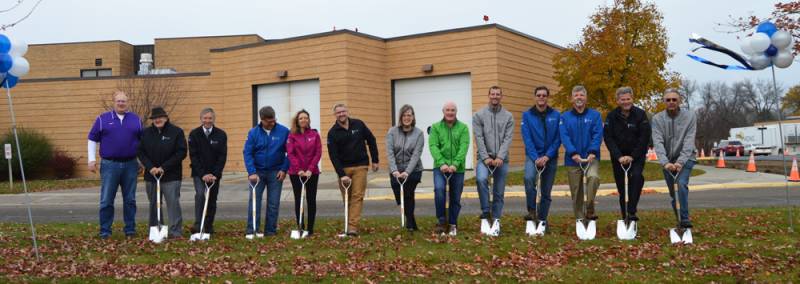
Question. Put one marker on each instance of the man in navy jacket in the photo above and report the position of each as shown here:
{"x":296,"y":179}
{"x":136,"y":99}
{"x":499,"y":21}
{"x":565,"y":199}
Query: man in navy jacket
{"x":266,"y":162}
{"x":582,"y":133}
{"x":542,"y":140}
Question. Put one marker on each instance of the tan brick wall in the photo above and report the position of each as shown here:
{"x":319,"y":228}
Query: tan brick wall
{"x":67,"y":59}
{"x":353,"y":69}
{"x":192,"y":54}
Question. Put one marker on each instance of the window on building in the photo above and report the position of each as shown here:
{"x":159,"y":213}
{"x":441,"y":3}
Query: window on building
{"x":90,"y":73}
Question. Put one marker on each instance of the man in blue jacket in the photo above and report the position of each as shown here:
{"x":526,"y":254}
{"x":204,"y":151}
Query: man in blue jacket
{"x":266,"y":162}
{"x":540,"y":133}
{"x":582,"y":133}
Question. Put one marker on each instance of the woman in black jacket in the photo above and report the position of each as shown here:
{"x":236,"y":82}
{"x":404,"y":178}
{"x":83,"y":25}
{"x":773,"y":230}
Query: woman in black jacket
{"x":161,"y":151}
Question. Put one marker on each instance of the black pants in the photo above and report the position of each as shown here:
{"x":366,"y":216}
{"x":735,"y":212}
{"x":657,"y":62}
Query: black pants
{"x":311,"y":199}
{"x":408,"y":196}
{"x":635,"y":184}
{"x":199,"y":201}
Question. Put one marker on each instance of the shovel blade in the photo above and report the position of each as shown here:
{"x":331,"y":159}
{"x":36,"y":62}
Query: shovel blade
{"x":494,"y":231}
{"x":259,"y":235}
{"x":540,"y":228}
{"x":580,"y":230}
{"x":591,"y":230}
{"x":674,"y":237}
{"x":626,"y":232}
{"x":530,"y":228}
{"x":687,"y":236}
{"x":485,"y":228}
{"x":296,"y":234}
{"x":195,"y":237}
{"x":164,"y":230}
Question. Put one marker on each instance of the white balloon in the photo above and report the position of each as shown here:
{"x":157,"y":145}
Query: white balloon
{"x":759,"y":42}
{"x":18,"y":47}
{"x":783,"y":59}
{"x":759,"y":61}
{"x":745,"y":45}
{"x":19,"y":67}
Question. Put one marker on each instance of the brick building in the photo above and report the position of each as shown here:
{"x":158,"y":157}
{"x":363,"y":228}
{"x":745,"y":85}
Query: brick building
{"x":236,"y":75}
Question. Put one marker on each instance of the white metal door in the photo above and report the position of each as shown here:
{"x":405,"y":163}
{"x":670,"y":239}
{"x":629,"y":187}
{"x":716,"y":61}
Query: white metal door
{"x":427,"y":96}
{"x":289,"y":98}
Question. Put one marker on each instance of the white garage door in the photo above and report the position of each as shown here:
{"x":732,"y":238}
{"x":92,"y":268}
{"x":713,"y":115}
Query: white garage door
{"x":288,"y":98}
{"x":427,"y":95}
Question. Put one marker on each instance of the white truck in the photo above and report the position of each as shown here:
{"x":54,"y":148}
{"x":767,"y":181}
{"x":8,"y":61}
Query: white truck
{"x":768,"y":135}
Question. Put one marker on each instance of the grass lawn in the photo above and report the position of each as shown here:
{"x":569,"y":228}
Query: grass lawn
{"x":731,"y":245}
{"x":651,"y":172}
{"x":47,"y":185}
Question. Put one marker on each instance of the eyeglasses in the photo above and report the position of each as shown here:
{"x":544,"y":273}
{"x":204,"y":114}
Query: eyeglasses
{"x":669,"y":100}
{"x":541,"y":96}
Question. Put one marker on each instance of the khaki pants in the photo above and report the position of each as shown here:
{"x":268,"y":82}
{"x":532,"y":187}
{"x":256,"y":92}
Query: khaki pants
{"x":358,"y":175}
{"x":577,"y":193}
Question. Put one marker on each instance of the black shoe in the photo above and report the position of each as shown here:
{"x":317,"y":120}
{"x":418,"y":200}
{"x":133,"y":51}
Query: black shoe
{"x":352,"y":234}
{"x":105,"y":237}
{"x":269,"y":234}
{"x":485,"y":215}
{"x":686,"y":224}
{"x":633,"y":217}
{"x":130,"y":236}
{"x":440,"y":229}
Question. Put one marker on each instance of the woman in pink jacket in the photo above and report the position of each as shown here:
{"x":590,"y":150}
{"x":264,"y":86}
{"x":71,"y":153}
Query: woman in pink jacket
{"x":304,"y":150}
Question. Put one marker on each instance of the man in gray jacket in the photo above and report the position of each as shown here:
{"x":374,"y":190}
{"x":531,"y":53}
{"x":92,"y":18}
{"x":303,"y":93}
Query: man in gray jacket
{"x":494,"y":127}
{"x":673,"y":139}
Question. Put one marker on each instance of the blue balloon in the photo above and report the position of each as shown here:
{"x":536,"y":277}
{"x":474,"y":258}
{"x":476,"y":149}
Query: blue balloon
{"x":767,"y":28}
{"x":5,"y":62}
{"x":771,"y":51}
{"x":10,"y":81}
{"x":5,"y":44}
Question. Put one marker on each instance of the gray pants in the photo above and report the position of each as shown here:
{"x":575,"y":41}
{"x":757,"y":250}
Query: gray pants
{"x":577,"y":191}
{"x":171,"y":193}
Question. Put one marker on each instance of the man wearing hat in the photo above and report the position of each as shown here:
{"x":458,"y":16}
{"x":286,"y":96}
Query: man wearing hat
{"x":161,"y":151}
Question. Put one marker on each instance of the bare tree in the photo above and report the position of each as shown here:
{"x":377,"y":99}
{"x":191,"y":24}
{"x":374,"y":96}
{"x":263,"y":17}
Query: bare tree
{"x":149,"y":91}
{"x":688,"y":88}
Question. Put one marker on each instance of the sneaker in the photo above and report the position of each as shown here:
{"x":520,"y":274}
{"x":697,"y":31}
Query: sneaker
{"x":352,"y":234}
{"x":633,"y":217}
{"x":453,"y":231}
{"x":686,"y":224}
{"x":105,"y":237}
{"x":485,"y":215}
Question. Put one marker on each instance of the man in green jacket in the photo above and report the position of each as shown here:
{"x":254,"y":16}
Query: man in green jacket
{"x":448,"y":142}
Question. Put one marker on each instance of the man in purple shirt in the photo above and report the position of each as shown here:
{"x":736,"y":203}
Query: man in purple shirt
{"x":118,"y":132}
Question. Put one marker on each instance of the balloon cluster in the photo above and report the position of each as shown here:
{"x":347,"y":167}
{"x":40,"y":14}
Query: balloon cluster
{"x":768,"y":46}
{"x":12,"y":64}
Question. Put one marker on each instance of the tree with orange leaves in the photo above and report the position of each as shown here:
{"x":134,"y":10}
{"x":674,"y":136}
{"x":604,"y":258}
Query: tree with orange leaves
{"x":624,"y":45}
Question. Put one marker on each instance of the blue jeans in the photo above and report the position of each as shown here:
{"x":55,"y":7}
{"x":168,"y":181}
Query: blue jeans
{"x":548,"y":177}
{"x":115,"y":175}
{"x":456,"y":187}
{"x":269,"y":181}
{"x":683,"y":188}
{"x":498,"y":188}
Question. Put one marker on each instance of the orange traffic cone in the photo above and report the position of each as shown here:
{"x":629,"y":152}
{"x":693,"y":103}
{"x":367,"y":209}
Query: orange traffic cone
{"x":721,"y":160}
{"x":794,"y":175}
{"x":651,"y":154}
{"x":751,"y":165}
{"x":702,"y":153}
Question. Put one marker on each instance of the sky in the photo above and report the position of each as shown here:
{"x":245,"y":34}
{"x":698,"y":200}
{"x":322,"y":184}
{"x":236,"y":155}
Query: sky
{"x":560,"y":22}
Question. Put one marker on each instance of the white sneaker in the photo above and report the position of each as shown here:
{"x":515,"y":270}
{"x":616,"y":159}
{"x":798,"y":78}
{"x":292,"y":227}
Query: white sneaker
{"x":453,"y":231}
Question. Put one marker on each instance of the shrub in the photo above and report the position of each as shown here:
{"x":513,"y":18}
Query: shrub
{"x":63,"y":165}
{"x":37,"y":152}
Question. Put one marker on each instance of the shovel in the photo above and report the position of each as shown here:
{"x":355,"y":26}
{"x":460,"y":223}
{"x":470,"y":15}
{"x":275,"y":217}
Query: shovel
{"x":446,"y":195}
{"x":346,"y":207}
{"x":158,"y":232}
{"x":300,"y":233}
{"x":255,"y":233}
{"x":402,"y":202}
{"x":626,"y":229}
{"x":678,"y":234}
{"x":202,"y":236}
{"x":494,"y":229}
{"x":585,"y":230}
{"x":536,"y":227}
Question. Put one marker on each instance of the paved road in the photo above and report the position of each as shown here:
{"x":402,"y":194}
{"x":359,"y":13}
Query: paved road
{"x":230,"y":210}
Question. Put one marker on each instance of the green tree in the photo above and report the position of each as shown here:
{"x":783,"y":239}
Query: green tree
{"x":624,"y":45}
{"x":791,"y":101}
